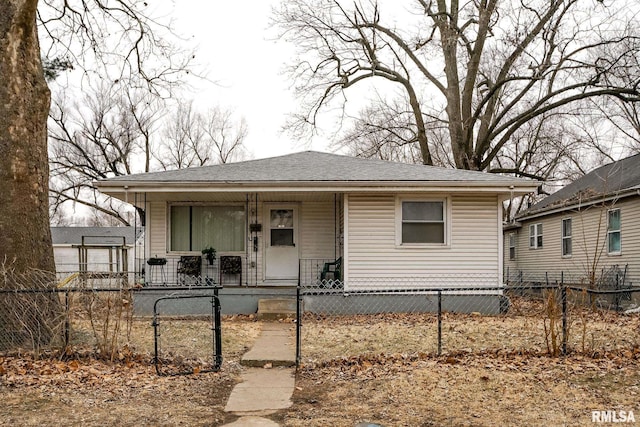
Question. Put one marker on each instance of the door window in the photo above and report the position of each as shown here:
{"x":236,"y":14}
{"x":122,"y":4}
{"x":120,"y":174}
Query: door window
{"x":282,"y":227}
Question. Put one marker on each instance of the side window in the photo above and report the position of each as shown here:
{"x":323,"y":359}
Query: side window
{"x":535,"y":236}
{"x":566,"y":237}
{"x":423,"y":222}
{"x":512,"y":246}
{"x":614,"y":233}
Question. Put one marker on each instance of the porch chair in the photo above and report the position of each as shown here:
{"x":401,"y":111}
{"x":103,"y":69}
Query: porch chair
{"x":189,"y":267}
{"x":230,"y":265}
{"x":331,"y":271}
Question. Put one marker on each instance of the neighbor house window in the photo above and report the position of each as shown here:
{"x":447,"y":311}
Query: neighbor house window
{"x":194,"y":228}
{"x":423,"y":222}
{"x":512,"y":246}
{"x":613,"y":231}
{"x":535,"y":236}
{"x":566,"y":237}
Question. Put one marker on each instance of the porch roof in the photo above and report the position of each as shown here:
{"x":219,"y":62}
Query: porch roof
{"x":311,"y":169}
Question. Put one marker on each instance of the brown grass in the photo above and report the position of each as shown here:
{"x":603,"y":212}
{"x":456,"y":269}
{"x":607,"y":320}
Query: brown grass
{"x":81,"y":390}
{"x":467,"y":391}
{"x":380,"y":368}
{"x":589,"y":332}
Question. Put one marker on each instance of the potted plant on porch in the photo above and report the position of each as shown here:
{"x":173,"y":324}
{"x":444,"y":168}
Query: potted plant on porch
{"x":210,"y":254}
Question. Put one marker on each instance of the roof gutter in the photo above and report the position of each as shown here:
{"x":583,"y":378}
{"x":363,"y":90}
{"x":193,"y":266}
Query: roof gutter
{"x":131,"y":186}
{"x":581,"y":205}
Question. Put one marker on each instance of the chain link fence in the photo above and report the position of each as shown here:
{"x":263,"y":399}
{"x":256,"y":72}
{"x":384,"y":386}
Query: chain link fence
{"x":95,"y":316}
{"x":550,"y":314}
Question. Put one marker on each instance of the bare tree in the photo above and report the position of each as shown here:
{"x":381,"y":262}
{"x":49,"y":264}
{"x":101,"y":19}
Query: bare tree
{"x":74,"y":34}
{"x":226,"y":134}
{"x":194,"y":139}
{"x":107,"y":133}
{"x":115,"y":130}
{"x":483,"y":70}
{"x":120,"y":40}
{"x":25,"y":238}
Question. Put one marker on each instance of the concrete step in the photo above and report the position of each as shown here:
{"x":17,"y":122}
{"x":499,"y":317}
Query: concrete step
{"x":276,"y":308}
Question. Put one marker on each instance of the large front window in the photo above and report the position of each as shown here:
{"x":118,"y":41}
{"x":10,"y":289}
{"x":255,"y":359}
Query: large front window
{"x":423,"y":222}
{"x":194,"y":228}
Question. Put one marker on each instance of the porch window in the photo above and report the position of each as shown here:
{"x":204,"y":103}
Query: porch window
{"x":535,"y":236}
{"x":566,"y":237}
{"x":194,"y":228}
{"x":423,"y":222}
{"x":614,"y":233}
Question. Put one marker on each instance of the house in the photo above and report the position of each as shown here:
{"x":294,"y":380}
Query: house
{"x":95,"y":249}
{"x":589,"y":230}
{"x":293,"y":218}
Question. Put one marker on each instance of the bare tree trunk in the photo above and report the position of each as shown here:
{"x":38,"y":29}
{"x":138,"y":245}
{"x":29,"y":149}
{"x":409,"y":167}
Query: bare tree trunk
{"x":25,"y":237}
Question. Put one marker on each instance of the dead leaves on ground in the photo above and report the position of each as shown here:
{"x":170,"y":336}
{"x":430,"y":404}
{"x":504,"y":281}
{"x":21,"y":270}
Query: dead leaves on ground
{"x":23,"y":371}
{"x":375,"y":366}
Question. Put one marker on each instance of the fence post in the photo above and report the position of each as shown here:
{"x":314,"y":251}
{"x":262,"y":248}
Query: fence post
{"x":563,"y":290}
{"x":617,"y":294}
{"x":217,"y":307}
{"x":298,"y":327}
{"x":520,"y":279}
{"x":439,"y":322}
{"x":67,"y":313}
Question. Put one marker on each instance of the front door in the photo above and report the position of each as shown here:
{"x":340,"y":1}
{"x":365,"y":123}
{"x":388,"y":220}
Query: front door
{"x":281,"y":250}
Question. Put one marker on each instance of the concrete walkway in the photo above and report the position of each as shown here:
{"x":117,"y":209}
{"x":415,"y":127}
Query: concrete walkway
{"x":269,"y":379}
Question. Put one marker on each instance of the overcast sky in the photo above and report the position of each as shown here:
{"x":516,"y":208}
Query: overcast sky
{"x":237,"y":49}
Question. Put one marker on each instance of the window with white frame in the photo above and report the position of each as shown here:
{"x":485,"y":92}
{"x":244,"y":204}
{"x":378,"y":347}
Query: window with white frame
{"x":194,"y":228}
{"x":423,"y":222}
{"x":567,"y":248}
{"x":512,"y":246}
{"x":614,"y":234}
{"x":535,"y":236}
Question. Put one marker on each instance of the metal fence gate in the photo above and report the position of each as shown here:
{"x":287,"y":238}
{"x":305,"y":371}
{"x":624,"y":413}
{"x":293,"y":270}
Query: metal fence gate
{"x":176,"y":338}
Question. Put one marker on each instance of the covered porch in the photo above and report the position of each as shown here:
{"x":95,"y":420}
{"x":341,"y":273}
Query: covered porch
{"x":261,"y":239}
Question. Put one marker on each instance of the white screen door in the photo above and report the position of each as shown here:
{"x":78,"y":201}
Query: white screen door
{"x":281,"y":250}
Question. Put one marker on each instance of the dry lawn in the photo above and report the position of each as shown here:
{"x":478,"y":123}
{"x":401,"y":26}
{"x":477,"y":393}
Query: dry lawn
{"x":493,"y":370}
{"x":380,"y":369}
{"x":79,"y":390}
{"x":466,"y":390}
{"x":528,"y":329}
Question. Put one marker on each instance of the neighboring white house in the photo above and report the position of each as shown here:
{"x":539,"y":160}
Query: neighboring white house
{"x":588,"y":230}
{"x":102,"y":249}
{"x":390,"y":225}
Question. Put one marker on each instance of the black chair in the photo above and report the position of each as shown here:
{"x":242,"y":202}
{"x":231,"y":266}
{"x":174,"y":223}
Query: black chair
{"x":231,"y":265}
{"x":332,"y":271}
{"x":189,"y":268}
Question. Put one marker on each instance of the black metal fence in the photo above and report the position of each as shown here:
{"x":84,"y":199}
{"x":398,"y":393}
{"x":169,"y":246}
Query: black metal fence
{"x":203,"y":341}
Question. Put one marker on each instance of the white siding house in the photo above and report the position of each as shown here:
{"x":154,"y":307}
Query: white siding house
{"x":103,"y":250}
{"x":586,"y":231}
{"x":389,"y":225}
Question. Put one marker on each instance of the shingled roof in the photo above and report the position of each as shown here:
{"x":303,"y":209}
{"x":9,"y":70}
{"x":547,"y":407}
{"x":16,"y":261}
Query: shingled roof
{"x":95,"y":235}
{"x":311,"y":166}
{"x":611,"y":180}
